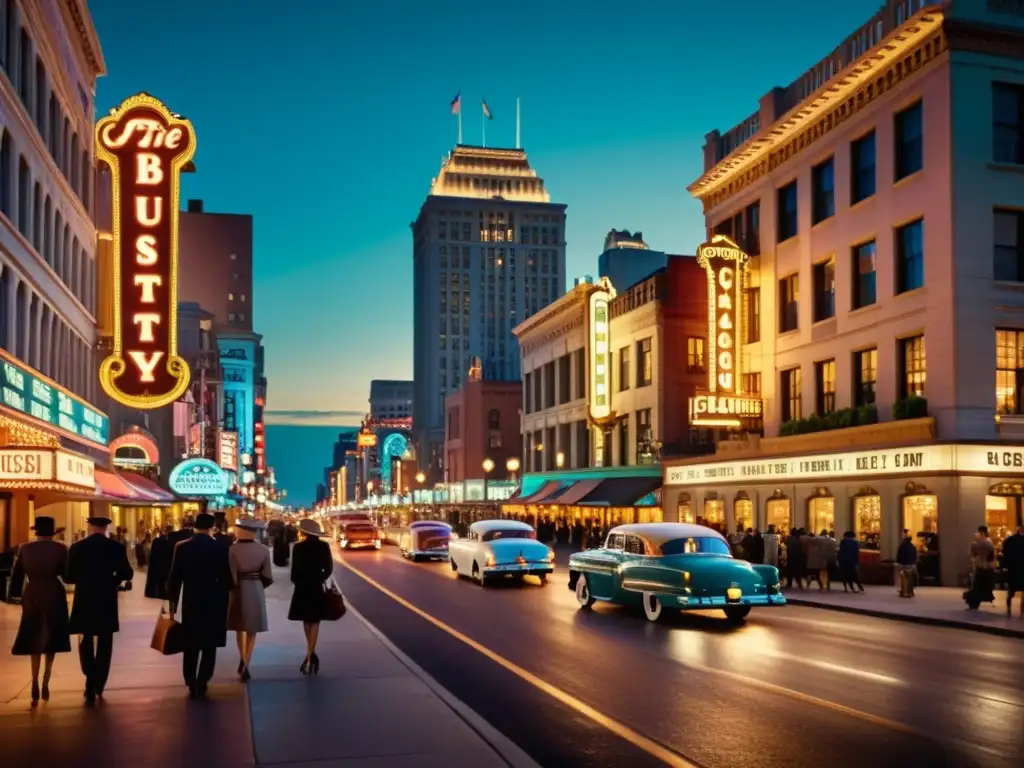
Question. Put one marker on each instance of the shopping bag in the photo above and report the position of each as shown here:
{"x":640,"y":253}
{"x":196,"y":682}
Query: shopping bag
{"x":334,"y":602}
{"x":167,"y":635}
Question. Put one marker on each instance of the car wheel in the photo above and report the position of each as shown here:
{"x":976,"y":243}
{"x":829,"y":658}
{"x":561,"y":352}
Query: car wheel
{"x":543,"y":578}
{"x":414,"y":558}
{"x":652,"y":606}
{"x":583,"y":596}
{"x":477,"y":576}
{"x":737,"y":613}
{"x":453,"y":564}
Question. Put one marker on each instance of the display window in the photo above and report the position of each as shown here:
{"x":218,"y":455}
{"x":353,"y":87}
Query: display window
{"x":714,"y":514}
{"x":1000,"y":517}
{"x":867,"y":521}
{"x":744,"y":510}
{"x":821,"y":515}
{"x":685,"y":509}
{"x":778,"y":512}
{"x":921,"y":519}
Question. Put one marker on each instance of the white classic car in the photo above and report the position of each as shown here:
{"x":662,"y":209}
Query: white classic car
{"x":495,"y":548}
{"x":425,"y":540}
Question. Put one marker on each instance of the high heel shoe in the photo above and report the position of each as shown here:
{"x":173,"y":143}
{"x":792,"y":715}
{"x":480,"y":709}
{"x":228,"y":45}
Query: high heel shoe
{"x":246,"y":677}
{"x":304,"y":669}
{"x":241,"y":667}
{"x":35,"y":691}
{"x":314,"y":664}
{"x":46,"y":690}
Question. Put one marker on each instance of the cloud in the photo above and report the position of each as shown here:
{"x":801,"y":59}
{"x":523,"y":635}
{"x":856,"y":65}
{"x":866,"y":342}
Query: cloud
{"x":314,"y":418}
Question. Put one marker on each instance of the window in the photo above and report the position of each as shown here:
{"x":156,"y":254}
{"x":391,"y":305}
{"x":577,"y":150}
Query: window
{"x":1009,"y":371}
{"x":790,"y":394}
{"x":623,"y":440}
{"x":623,"y":369}
{"x":823,"y":191}
{"x":753,"y":330}
{"x":644,"y":437}
{"x":787,"y":220}
{"x":494,"y":419}
{"x":909,"y":150}
{"x":863,"y":258}
{"x":231,"y":297}
{"x":825,"y":289}
{"x":644,"y":363}
{"x":1008,"y":123}
{"x":563,"y":379}
{"x":862,"y":168}
{"x":241,"y":297}
{"x":528,"y":393}
{"x":752,"y":232}
{"x":912,"y":367}
{"x":788,"y":295}
{"x":825,"y":386}
{"x":1008,"y":238}
{"x":910,"y":256}
{"x":867,"y":520}
{"x":865,"y":374}
{"x":751,"y":383}
{"x":695,"y":355}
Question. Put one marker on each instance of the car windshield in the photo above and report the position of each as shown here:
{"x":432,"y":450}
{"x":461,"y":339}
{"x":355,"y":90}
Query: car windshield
{"x":703,"y":545}
{"x":508,"y":533}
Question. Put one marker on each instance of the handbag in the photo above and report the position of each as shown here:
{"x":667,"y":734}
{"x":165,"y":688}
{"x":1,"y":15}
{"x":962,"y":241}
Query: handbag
{"x":334,"y":602}
{"x":168,"y":638}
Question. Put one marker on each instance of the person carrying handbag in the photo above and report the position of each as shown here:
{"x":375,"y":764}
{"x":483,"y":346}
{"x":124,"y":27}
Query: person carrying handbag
{"x":312,"y":566}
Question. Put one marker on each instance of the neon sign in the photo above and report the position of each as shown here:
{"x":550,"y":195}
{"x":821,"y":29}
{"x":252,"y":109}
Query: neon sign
{"x":724,"y":403}
{"x":145,"y":146}
{"x":600,"y":352}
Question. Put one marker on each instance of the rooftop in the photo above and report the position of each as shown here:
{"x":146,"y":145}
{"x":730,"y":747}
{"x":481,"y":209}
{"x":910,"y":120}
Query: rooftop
{"x":487,"y":173}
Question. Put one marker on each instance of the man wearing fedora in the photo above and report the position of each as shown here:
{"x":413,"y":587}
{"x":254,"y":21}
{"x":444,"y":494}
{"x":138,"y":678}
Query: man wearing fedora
{"x":201,"y":576}
{"x":97,"y":566}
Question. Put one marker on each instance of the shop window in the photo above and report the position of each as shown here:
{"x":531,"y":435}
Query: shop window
{"x":867,"y":520}
{"x":921,"y":517}
{"x":684,"y":509}
{"x":1000,"y":517}
{"x":744,"y":511}
{"x":779,"y":513}
{"x":821,"y":514}
{"x":714,"y":514}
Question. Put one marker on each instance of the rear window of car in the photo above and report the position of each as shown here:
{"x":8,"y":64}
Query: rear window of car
{"x":700,"y":545}
{"x":358,"y":527}
{"x":511,"y":533}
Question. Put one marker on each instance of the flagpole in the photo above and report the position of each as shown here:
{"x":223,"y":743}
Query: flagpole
{"x":483,"y":128}
{"x":517,"y":123}
{"x":460,"y":122}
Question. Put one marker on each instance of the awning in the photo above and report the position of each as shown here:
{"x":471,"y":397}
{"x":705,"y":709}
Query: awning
{"x":111,"y":487}
{"x":147,"y":489}
{"x":621,"y":491}
{"x":543,"y":492}
{"x":573,"y":493}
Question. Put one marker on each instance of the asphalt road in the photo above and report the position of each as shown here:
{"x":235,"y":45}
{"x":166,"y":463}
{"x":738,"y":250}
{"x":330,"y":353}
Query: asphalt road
{"x":798,"y":687}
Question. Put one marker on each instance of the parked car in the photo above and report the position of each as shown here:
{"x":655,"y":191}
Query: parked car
{"x":672,"y":566}
{"x":425,"y":540}
{"x":358,"y":534}
{"x":495,"y":548}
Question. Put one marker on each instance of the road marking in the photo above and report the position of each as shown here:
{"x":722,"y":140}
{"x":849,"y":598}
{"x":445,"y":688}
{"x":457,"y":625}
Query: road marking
{"x":620,"y":729}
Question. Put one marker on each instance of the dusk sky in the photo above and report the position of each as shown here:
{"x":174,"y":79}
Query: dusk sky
{"x":327,"y":120}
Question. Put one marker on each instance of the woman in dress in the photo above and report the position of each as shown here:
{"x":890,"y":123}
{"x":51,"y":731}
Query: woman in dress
{"x":312,"y":565}
{"x":247,"y":604}
{"x":44,"y":603}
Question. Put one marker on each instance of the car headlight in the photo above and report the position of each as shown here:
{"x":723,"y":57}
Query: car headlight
{"x":774,"y":588}
{"x":551,"y":555}
{"x":734,"y":593}
{"x":490,"y":562}
{"x":686,"y":578}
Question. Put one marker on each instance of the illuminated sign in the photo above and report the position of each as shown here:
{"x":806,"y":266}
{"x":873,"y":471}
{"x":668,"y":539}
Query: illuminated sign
{"x":724,"y":404}
{"x":198,"y":477}
{"x":366,"y":440}
{"x":41,"y":465}
{"x":34,"y":395}
{"x":139,"y":441}
{"x":227,"y":450}
{"x":599,"y":323}
{"x":145,"y":147}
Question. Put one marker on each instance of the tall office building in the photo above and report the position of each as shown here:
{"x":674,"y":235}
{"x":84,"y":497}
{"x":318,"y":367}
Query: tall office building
{"x":390,"y":399}
{"x":488,"y":252}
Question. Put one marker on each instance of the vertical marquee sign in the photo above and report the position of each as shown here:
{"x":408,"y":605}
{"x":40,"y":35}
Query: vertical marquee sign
{"x":724,"y":404}
{"x":599,"y":324}
{"x":145,"y":147}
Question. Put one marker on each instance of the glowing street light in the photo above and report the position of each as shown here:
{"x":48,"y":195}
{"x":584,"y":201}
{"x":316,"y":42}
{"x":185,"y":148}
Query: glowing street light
{"x":420,"y":477}
{"x":559,"y":459}
{"x":488,"y":465}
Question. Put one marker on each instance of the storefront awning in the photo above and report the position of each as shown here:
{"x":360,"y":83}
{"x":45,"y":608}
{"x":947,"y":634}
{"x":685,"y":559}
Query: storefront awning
{"x":621,"y":491}
{"x":573,"y":493}
{"x":110,"y":487}
{"x":147,"y":489}
{"x":541,"y":493}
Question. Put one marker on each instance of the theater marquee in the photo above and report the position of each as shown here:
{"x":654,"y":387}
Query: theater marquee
{"x":145,"y":146}
{"x":724,"y":404}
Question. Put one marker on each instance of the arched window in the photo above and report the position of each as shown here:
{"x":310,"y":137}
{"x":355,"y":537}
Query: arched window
{"x":48,"y":231}
{"x":73,"y":163}
{"x":21,"y":322}
{"x":54,"y":331}
{"x":6,"y":178}
{"x":24,"y":197}
{"x":40,"y":112}
{"x":53,"y":135}
{"x":37,"y":218}
{"x":76,"y":269}
{"x":44,"y":340}
{"x":58,"y":244}
{"x":65,"y":148}
{"x":34,"y":309}
{"x":66,"y":275}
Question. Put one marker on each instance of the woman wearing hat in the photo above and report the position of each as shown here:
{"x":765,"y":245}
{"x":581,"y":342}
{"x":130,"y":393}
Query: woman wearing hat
{"x":312,"y":565}
{"x":247,"y":605}
{"x":44,"y":604}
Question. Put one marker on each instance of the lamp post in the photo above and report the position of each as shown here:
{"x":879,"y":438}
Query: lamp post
{"x":512,"y":465}
{"x":420,"y":479}
{"x":488,"y":466}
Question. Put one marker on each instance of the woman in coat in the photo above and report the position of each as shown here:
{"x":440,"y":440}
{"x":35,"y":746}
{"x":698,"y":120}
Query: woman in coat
{"x":247,"y":604}
{"x":44,"y":604}
{"x":312,"y":565}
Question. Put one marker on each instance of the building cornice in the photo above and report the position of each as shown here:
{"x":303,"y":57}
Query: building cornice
{"x":899,"y":57}
{"x":574,"y":299}
{"x":87,"y":36}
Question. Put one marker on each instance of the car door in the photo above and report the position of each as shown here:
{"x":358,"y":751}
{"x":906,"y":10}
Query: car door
{"x":602,"y":576}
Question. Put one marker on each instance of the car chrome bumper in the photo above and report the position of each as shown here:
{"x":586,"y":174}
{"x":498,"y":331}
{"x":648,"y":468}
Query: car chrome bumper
{"x":693,"y":602}
{"x":349,"y":544}
{"x":534,"y":569}
{"x":442,"y":553}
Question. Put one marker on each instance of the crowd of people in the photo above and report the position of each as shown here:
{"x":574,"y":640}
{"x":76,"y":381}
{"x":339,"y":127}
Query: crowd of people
{"x":218,"y":579}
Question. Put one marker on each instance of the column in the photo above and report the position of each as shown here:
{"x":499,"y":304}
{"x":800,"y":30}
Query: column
{"x":35,"y":344}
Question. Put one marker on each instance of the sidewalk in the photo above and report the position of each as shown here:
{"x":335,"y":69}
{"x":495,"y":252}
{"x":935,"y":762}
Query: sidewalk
{"x":939,"y":606}
{"x":370,"y":705}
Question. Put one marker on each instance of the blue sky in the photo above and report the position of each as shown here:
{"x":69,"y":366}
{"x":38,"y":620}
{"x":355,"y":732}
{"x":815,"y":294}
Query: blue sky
{"x":327,"y":119}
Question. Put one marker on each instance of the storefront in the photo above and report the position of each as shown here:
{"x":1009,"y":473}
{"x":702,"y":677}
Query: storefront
{"x":876,"y":493}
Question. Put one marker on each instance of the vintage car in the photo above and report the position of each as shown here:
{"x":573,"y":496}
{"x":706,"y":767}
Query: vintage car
{"x":358,"y":534}
{"x":671,"y":566}
{"x":425,"y":540}
{"x":496,"y":548}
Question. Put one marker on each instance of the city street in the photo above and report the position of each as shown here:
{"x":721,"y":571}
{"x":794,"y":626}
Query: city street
{"x":793,"y":686}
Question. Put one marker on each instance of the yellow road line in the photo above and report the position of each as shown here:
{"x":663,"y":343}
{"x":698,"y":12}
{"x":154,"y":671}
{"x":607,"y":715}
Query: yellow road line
{"x":621,"y":730}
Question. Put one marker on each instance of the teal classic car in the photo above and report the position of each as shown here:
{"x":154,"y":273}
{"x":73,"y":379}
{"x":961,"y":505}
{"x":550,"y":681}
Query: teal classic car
{"x":672,"y":567}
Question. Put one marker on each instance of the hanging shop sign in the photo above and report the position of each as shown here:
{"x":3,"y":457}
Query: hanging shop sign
{"x":32,"y":394}
{"x":724,"y":404}
{"x":25,"y":467}
{"x":366,"y":440}
{"x":145,"y":146}
{"x":599,"y":324}
{"x":227,"y":450}
{"x":198,"y":477}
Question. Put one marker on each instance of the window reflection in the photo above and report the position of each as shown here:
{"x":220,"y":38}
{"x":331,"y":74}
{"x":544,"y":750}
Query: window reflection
{"x":867,"y":521}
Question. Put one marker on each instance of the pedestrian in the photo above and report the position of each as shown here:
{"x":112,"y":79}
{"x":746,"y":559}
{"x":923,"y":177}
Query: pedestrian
{"x":794,"y":559}
{"x":97,"y":566}
{"x":771,"y":546}
{"x":817,"y":559}
{"x":849,"y":562}
{"x":141,"y":547}
{"x":906,"y":562}
{"x":282,"y":548}
{"x":160,"y":554}
{"x":312,"y":565}
{"x":201,"y":576}
{"x":247,"y":604}
{"x":43,"y":631}
{"x":983,"y":563}
{"x":1013,"y":562}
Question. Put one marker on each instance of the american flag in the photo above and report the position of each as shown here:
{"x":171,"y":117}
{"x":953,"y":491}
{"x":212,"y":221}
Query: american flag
{"x":457,"y":103}
{"x":487,"y":110}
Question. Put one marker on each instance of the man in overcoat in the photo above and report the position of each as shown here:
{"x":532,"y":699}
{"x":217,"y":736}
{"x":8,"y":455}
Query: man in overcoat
{"x":97,"y":566}
{"x":201,"y":575}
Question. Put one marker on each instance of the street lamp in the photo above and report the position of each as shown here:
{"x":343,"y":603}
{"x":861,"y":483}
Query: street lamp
{"x":512,"y":465}
{"x":420,"y":477}
{"x":488,"y":465}
{"x":559,"y":459}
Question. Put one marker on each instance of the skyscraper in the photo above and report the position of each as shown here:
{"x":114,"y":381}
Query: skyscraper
{"x":488,"y":252}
